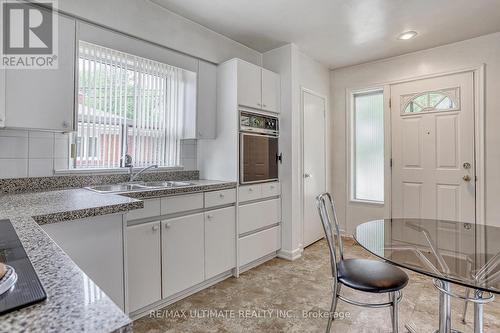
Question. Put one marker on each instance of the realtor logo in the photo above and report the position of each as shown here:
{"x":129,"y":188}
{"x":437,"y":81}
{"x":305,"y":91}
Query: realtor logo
{"x":29,"y":38}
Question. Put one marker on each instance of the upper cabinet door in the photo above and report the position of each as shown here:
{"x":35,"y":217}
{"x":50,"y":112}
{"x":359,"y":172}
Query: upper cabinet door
{"x":249,"y":85}
{"x":44,"y":98}
{"x":271,"y":87}
{"x":207,"y":101}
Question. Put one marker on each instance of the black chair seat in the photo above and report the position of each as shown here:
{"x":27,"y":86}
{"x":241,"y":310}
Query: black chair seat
{"x":371,"y":276}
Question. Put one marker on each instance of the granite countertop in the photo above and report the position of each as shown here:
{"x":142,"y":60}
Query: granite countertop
{"x":69,"y":306}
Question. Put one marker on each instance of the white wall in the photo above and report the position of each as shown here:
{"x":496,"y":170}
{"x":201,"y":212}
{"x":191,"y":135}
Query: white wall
{"x":144,"y":19}
{"x":297,"y":70}
{"x":465,"y":54}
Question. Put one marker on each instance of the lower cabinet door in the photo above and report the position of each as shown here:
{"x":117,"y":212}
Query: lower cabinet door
{"x":144,"y":264}
{"x":95,"y":244}
{"x":183,"y":253}
{"x":220,"y":241}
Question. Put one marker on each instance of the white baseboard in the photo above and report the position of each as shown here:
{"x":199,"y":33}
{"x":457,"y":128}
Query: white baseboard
{"x":290,"y":255}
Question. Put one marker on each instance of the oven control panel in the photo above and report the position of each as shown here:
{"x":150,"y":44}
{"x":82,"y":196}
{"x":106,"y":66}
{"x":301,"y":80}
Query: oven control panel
{"x":259,"y":123}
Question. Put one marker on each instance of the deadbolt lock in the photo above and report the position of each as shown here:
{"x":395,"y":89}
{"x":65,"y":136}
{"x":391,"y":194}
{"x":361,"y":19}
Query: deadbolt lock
{"x":467,"y":165}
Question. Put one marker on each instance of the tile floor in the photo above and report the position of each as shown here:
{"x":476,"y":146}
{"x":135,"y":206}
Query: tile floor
{"x":284,"y":296}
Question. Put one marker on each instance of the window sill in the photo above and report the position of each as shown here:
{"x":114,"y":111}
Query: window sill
{"x":367,"y":202}
{"x":110,"y":171}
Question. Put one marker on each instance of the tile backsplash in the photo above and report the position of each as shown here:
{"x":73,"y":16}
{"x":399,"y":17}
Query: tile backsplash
{"x":38,"y":154}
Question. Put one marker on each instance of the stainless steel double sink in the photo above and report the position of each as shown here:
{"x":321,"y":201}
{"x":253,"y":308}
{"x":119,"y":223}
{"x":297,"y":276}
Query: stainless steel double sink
{"x":137,"y":186}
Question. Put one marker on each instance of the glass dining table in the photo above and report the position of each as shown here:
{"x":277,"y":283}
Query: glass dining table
{"x":449,"y":252}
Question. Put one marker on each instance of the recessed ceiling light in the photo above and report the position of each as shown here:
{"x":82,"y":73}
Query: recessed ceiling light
{"x":407,"y":35}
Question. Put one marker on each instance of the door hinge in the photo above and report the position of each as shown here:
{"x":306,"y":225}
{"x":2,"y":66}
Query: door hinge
{"x":390,"y":163}
{"x":390,"y":103}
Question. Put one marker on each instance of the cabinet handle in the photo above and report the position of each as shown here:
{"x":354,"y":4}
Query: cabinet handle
{"x":250,"y":189}
{"x":210,"y":217}
{"x":221,"y":196}
{"x":167,"y":225}
{"x":65,"y":124}
{"x":259,"y":104}
{"x":264,"y":105}
{"x":272,"y":187}
{"x":155,"y":228}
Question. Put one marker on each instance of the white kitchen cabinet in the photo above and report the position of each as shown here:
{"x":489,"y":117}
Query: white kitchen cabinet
{"x":258,"y":87}
{"x":44,"y":98}
{"x":206,"y":117}
{"x":258,"y":245}
{"x":249,"y":192}
{"x":258,"y":215}
{"x":271,"y":189}
{"x":220,"y":241}
{"x":96,"y":245}
{"x":271,"y":87}
{"x":220,"y":198}
{"x":144,"y":264}
{"x":249,"y":85}
{"x":151,"y":209}
{"x":181,"y":203}
{"x":183,"y":258}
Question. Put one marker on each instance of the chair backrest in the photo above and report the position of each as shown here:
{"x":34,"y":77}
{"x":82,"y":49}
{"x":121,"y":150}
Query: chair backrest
{"x":328,"y":215}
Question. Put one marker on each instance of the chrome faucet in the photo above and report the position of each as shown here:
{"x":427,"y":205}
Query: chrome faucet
{"x":134,"y":176}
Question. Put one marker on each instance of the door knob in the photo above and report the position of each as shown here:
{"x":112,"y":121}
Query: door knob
{"x":466,"y":178}
{"x":307,"y":175}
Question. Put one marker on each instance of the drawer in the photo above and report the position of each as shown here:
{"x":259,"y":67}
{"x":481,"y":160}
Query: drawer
{"x":250,"y":192}
{"x":258,"y":215}
{"x":151,"y":209}
{"x":181,"y":203}
{"x":271,"y":189}
{"x":219,"y":198}
{"x":258,"y":245}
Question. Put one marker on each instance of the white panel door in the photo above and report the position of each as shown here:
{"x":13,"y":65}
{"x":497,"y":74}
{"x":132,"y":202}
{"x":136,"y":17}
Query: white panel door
{"x":220,"y":241}
{"x":183,"y":253}
{"x":433,"y":173}
{"x":270,"y":91}
{"x":249,"y":85}
{"x":43,"y":98}
{"x":314,"y":164}
{"x":144,"y":265}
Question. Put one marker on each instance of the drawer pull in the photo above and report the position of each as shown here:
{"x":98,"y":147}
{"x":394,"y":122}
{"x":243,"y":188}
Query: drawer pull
{"x":210,"y":217}
{"x":250,"y":189}
{"x":155,"y":228}
{"x":272,"y":187}
{"x":221,"y":196}
{"x":167,"y":225}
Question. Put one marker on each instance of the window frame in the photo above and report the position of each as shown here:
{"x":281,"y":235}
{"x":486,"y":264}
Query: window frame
{"x":72,"y":158}
{"x":351,"y":143}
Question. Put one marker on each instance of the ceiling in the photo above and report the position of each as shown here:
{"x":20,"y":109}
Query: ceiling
{"x":340,"y":33}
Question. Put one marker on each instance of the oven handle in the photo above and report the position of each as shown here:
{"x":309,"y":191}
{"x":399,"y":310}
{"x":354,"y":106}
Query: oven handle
{"x":258,"y":134}
{"x":279,"y":158}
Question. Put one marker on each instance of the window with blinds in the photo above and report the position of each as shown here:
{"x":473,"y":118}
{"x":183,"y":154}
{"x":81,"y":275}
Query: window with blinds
{"x":129,"y":105}
{"x":368,"y":147}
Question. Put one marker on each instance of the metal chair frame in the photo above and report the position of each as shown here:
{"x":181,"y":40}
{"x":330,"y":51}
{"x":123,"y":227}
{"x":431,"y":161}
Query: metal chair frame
{"x":333,"y":237}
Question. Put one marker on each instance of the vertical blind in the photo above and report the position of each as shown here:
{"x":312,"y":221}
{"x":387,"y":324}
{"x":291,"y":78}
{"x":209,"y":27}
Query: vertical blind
{"x":368,"y":148}
{"x":128,"y":105}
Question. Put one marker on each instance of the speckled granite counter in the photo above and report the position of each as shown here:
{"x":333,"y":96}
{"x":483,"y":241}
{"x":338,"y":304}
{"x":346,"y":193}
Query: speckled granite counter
{"x":69,"y":306}
{"x":201,"y":185}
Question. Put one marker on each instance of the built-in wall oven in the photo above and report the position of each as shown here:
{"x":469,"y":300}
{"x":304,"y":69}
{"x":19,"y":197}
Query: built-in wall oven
{"x":259,"y":151}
